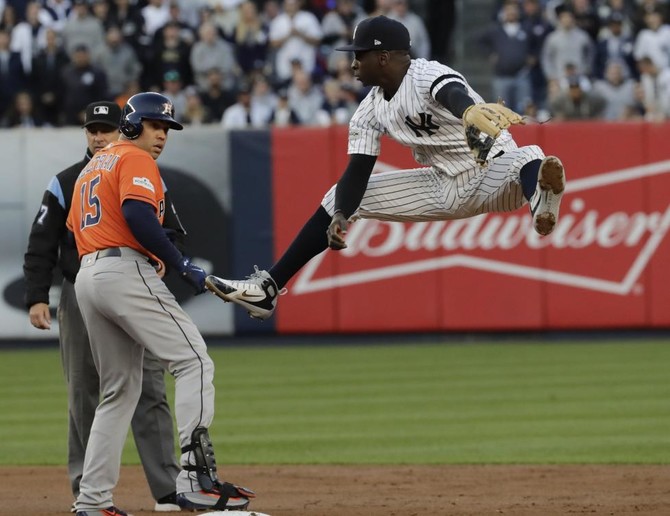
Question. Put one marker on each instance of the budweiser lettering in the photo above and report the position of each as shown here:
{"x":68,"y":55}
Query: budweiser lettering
{"x":577,"y":228}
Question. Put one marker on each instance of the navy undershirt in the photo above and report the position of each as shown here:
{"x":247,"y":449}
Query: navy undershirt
{"x":146,"y":228}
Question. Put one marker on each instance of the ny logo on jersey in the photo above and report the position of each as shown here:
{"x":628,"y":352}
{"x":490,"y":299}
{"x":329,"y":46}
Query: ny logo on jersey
{"x":425,"y":124}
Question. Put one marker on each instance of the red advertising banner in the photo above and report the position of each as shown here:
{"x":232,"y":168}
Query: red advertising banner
{"x":602,"y":267}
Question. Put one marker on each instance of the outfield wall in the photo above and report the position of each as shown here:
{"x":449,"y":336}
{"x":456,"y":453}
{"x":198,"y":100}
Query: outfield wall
{"x":601,"y":268}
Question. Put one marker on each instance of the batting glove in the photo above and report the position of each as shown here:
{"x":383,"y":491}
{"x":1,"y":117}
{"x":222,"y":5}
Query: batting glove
{"x":193,"y":275}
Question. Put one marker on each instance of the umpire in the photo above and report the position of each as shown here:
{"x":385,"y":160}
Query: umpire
{"x":48,"y":247}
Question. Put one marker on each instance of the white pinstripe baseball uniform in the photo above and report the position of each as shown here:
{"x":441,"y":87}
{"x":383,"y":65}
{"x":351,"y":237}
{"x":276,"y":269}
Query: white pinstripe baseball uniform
{"x":403,"y":104}
{"x":451,"y":185}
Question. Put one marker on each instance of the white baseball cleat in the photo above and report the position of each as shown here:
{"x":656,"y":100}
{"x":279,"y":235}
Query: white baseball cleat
{"x":546,"y":200}
{"x":258,"y":293}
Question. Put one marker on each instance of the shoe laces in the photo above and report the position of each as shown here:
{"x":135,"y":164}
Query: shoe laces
{"x":258,"y":276}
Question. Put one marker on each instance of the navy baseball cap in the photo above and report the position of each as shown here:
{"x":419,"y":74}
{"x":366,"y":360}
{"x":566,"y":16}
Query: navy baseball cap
{"x":103,"y":112}
{"x":379,"y":33}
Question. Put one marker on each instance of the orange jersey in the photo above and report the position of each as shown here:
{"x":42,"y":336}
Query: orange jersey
{"x":118,"y":172}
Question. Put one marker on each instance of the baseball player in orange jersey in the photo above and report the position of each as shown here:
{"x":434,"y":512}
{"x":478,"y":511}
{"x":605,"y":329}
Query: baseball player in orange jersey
{"x":470,"y":163}
{"x":48,"y":245}
{"x":117,"y":210}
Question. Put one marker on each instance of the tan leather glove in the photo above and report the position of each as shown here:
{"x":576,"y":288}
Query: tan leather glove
{"x":490,"y":118}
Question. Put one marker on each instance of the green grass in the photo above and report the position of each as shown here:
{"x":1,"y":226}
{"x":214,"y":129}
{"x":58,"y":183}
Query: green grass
{"x":567,"y":402}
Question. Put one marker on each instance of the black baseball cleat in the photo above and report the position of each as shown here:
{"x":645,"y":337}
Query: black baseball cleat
{"x":257,"y":294}
{"x":225,"y":497}
{"x":546,"y":200}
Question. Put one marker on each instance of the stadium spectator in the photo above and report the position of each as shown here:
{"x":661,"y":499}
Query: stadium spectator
{"x":537,"y":27}
{"x":54,"y":13}
{"x":283,"y":115}
{"x":295,"y":35}
{"x":567,"y":44}
{"x":586,"y":17}
{"x":654,"y":40}
{"x":119,"y":62}
{"x":644,"y":7}
{"x":100,"y":10}
{"x":224,"y":14}
{"x":614,"y":45}
{"x":22,"y":112}
{"x":171,"y":53}
{"x":271,"y":9}
{"x":12,"y":76}
{"x":195,"y":113}
{"x":186,"y":30}
{"x":45,"y":78}
{"x":333,"y":110}
{"x":262,"y":93}
{"x":401,"y":12}
{"x":82,"y":28}
{"x":621,"y":9}
{"x":377,"y":7}
{"x":215,"y":97}
{"x":244,"y":114}
{"x":129,"y":19}
{"x":173,"y":88}
{"x":83,"y":83}
{"x":618,"y":90}
{"x":654,"y":91}
{"x":509,"y":49}
{"x":576,"y":103}
{"x":131,"y":88}
{"x":345,"y":76}
{"x":29,"y":36}
{"x":337,"y":27}
{"x":251,"y":40}
{"x":155,"y":15}
{"x":8,"y":19}
{"x":211,"y":51}
{"x":304,"y":97}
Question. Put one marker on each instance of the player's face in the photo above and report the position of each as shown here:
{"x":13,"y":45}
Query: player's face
{"x":366,"y":66}
{"x":98,"y":136}
{"x":153,"y":137}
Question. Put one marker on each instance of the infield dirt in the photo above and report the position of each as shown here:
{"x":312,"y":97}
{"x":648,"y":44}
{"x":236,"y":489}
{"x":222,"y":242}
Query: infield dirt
{"x":383,"y":490}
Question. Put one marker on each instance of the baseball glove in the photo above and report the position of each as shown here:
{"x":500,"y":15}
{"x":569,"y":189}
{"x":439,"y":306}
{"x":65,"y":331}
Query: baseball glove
{"x":490,"y":119}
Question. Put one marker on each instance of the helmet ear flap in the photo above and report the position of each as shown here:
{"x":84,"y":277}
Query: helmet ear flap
{"x":131,"y":126}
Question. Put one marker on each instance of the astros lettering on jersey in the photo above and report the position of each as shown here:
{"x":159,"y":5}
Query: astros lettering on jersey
{"x":103,"y":185}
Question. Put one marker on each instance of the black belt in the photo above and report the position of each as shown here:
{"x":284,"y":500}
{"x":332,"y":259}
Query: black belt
{"x":110,"y":251}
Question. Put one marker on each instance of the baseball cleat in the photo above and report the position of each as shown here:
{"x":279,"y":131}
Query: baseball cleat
{"x":167,"y":504}
{"x":226,"y":497}
{"x":257,"y":294}
{"x":547,"y":197}
{"x":109,"y":511}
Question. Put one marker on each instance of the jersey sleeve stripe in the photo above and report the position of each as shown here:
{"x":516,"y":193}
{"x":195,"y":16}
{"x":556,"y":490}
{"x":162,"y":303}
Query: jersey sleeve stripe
{"x":57,"y":191}
{"x":443,"y":78}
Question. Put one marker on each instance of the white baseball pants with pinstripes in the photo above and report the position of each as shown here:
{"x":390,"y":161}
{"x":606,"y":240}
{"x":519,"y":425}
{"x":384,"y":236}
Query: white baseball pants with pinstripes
{"x":127,"y":308}
{"x":422,"y":194}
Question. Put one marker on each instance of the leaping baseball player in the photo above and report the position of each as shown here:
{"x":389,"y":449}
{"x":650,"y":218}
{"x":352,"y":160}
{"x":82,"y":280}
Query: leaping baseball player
{"x":469,"y":162}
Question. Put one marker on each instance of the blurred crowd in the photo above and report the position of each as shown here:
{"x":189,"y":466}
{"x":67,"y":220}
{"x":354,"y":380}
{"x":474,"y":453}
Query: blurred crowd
{"x":239,"y":63}
{"x":581,"y":59}
{"x":257,"y":63}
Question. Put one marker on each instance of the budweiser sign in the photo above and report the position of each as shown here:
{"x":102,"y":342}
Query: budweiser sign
{"x":430,"y":246}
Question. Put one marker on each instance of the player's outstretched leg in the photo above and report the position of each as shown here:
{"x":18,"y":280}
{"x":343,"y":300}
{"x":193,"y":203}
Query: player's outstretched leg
{"x":258,"y":293}
{"x":546,"y":201}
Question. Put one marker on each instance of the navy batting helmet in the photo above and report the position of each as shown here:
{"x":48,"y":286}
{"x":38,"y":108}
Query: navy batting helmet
{"x":146,"y":106}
